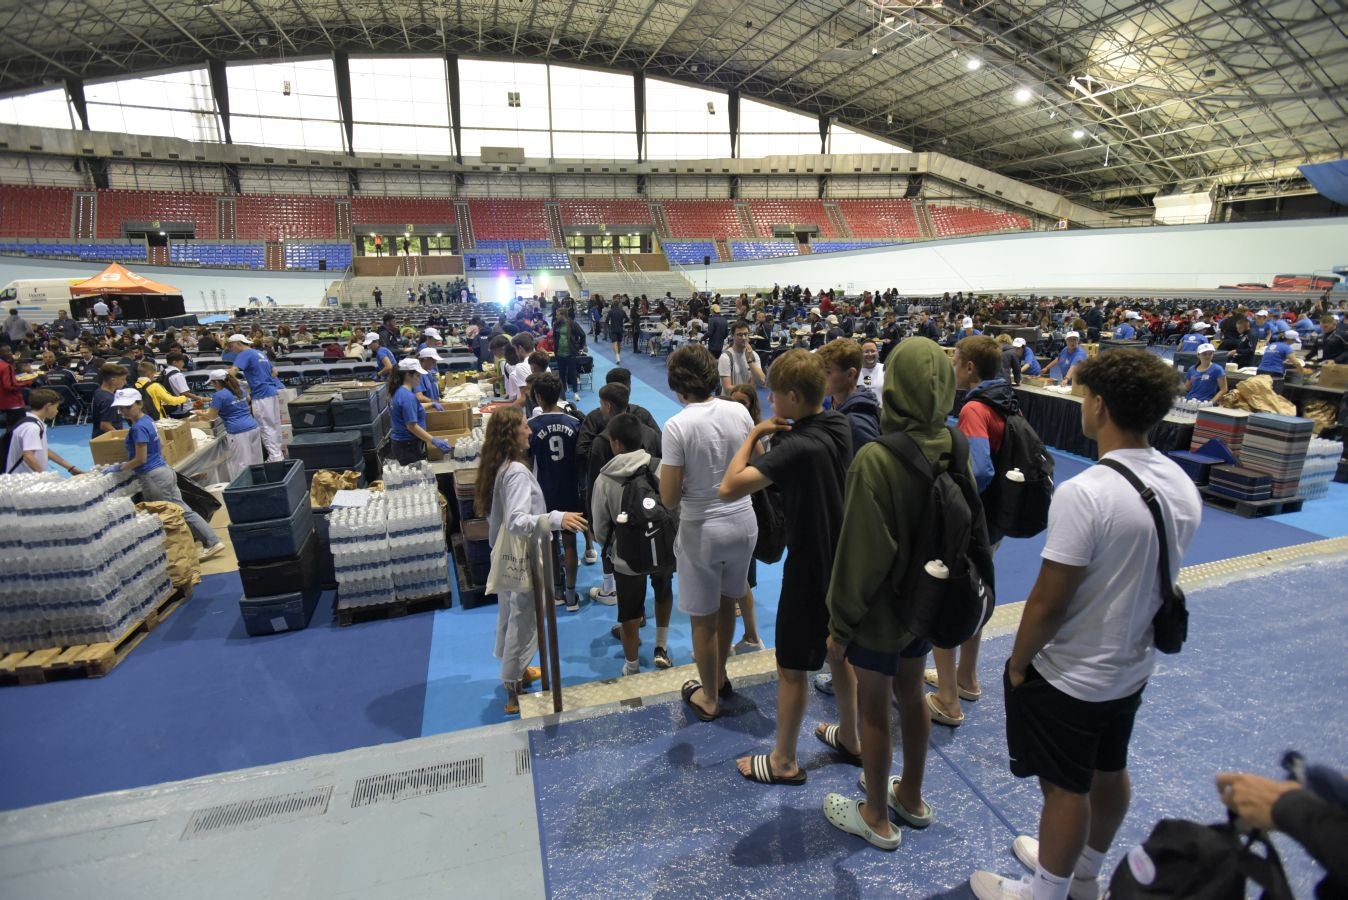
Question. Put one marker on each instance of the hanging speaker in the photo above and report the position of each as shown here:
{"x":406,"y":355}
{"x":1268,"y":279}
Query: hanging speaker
{"x":706,"y":260}
{"x":580,"y":261}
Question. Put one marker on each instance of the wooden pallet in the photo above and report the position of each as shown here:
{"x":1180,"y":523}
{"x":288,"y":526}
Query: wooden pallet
{"x":85,"y":660}
{"x":394,"y":609}
{"x":1252,"y":509}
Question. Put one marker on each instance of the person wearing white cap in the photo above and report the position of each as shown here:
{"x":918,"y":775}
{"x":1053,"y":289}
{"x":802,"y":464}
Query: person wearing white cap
{"x":1207,"y":381}
{"x":157,"y":481}
{"x":241,"y":430}
{"x":1029,"y":363}
{"x":1197,"y":336}
{"x":1125,"y":331}
{"x":1280,"y":353}
{"x":430,"y":339}
{"x":263,"y":391}
{"x":1069,"y":357}
{"x":428,"y":388}
{"x":1261,"y":327}
{"x":407,"y":417}
{"x":384,"y":360}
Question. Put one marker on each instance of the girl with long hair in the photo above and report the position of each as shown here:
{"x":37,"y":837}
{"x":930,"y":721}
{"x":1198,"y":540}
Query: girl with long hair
{"x":509,"y":496}
{"x":747,"y":396}
{"x":241,"y":431}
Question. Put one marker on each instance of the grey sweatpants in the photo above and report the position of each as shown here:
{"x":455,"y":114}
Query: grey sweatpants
{"x":516,"y":634}
{"x":162,"y":484}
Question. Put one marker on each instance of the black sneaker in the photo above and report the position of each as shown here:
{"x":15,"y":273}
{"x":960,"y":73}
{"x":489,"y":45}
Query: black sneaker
{"x":662,"y":660}
{"x":572,"y":601}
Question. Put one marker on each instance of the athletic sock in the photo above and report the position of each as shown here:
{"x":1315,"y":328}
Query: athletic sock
{"x":1047,"y":886}
{"x":662,"y":636}
{"x":610,"y":585}
{"x":1090,"y":863}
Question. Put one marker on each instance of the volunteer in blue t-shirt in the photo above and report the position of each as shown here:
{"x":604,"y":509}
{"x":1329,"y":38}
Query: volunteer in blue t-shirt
{"x":408,"y":417}
{"x":241,"y":429}
{"x":428,"y":388}
{"x":1279,"y":354}
{"x":264,"y":390}
{"x":1196,"y":338}
{"x":1207,"y":381}
{"x":1029,"y":363}
{"x":1069,"y":358}
{"x":1260,"y":329}
{"x":157,"y":480}
{"x":384,"y":360}
{"x":1125,"y":331}
{"x":430,"y":339}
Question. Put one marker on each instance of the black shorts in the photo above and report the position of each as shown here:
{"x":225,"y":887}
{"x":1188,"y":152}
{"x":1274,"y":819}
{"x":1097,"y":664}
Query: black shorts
{"x":1062,"y":740}
{"x":886,"y":663}
{"x":408,"y":452}
{"x":632,"y":593}
{"x":802,"y":618}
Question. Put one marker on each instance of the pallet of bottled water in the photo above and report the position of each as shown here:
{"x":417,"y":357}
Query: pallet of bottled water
{"x":467,"y":449}
{"x":1322,"y":461}
{"x":1184,"y":410}
{"x":392,"y":549}
{"x":78,"y":564}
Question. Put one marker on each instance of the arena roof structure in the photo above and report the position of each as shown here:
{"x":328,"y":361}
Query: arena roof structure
{"x":1098,"y":99}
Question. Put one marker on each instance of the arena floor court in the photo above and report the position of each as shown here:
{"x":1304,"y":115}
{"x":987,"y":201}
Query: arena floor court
{"x":630,"y":799}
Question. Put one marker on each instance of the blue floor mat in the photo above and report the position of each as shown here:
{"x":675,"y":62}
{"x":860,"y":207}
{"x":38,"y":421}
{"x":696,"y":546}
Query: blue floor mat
{"x":199,"y":696}
{"x":647,"y":802}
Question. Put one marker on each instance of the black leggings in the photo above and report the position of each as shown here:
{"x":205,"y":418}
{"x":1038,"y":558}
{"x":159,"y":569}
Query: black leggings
{"x":408,"y":452}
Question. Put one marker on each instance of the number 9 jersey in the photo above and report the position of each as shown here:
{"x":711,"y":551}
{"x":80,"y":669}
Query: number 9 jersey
{"x":552,"y":447}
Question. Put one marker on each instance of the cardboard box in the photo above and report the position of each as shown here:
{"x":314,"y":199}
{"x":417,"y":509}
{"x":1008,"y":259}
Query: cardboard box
{"x":1078,"y":389}
{"x":176,"y":441}
{"x":1334,"y":377}
{"x":109,"y":447}
{"x":1092,"y":350}
{"x":435,"y":455}
{"x":457,"y":416}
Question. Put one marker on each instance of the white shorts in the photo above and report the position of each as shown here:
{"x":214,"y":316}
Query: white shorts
{"x":713,"y":561}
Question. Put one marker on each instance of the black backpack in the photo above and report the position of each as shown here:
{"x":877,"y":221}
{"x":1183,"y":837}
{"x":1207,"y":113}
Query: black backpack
{"x":949,"y":610}
{"x":1202,"y":862}
{"x":182,"y":411}
{"x":771,"y":520}
{"x":645,"y":527}
{"x":147,"y":402}
{"x":1018,"y":507}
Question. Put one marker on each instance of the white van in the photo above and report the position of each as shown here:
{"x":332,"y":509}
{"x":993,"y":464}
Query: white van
{"x":38,"y":299}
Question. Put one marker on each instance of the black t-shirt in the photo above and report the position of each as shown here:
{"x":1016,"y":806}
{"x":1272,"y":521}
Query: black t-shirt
{"x":208,"y":344}
{"x":809,"y":466}
{"x":102,"y":410}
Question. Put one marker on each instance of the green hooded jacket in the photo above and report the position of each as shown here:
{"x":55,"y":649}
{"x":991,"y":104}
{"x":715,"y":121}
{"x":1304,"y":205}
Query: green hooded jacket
{"x":882,"y":505}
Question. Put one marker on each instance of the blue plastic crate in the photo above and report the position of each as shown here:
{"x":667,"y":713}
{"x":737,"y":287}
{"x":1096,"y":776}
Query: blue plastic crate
{"x":273,"y":538}
{"x":265,"y":491}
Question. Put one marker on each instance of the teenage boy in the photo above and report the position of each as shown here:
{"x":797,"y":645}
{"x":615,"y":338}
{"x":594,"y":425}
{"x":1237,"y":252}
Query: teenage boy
{"x":882,"y":523}
{"x":988,"y":400}
{"x":739,"y":364}
{"x":165,"y":402}
{"x":1084,"y":650}
{"x":157,"y":480}
{"x":806,"y":439}
{"x":616,"y":321}
{"x":28,"y":450}
{"x":842,"y":360}
{"x":625,"y":439}
{"x":552,"y":444}
{"x":111,"y":379}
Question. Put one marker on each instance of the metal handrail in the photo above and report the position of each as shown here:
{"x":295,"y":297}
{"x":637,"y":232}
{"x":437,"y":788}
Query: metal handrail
{"x":545,"y":610}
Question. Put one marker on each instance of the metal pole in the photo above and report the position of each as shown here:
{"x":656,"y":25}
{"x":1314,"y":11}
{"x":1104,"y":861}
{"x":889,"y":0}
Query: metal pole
{"x":550,"y":610}
{"x":540,"y":602}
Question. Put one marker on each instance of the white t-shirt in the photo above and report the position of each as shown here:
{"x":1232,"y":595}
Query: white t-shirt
{"x":177,"y":380}
{"x":703,"y":438}
{"x":1103,"y":649}
{"x":515,"y":378}
{"x":872,"y":379}
{"x":28,"y":436}
{"x":738,"y":367}
{"x":100,"y":308}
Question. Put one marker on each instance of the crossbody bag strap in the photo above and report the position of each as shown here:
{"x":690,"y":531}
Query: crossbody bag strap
{"x":1158,"y":517}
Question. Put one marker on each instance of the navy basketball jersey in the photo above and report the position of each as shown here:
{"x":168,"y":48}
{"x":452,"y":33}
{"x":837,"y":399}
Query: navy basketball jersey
{"x":553,"y":449}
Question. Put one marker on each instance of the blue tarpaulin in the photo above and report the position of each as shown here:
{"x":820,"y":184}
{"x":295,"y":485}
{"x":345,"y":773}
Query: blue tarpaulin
{"x":1330,"y":179}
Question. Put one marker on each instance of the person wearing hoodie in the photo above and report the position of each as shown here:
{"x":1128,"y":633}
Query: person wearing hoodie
{"x":842,"y":362}
{"x":625,"y":435}
{"x":1334,"y":348}
{"x":882,"y":521}
{"x":807,"y":459}
{"x":982,"y":419}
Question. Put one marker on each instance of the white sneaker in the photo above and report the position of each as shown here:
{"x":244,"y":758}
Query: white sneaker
{"x":990,"y":886}
{"x":823,"y":683}
{"x":1026,"y":849}
{"x":575,"y":398}
{"x":214,"y":550}
{"x":631,"y":668}
{"x":601,"y":596}
{"x":748,"y":646}
{"x":591,"y":557}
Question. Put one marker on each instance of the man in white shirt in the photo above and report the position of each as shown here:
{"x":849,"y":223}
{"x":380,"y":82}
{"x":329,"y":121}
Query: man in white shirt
{"x":100,"y":311}
{"x":871,"y":375}
{"x":1084,"y":650}
{"x":28,"y":450}
{"x":739,"y":363}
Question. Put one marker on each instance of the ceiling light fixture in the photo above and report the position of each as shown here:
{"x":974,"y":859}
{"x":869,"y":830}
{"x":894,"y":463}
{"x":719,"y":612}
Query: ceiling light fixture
{"x":1024,"y":95}
{"x":974,"y":64}
{"x":1078,"y":134}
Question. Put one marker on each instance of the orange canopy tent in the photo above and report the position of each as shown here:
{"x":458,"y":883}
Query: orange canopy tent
{"x":116,"y":279}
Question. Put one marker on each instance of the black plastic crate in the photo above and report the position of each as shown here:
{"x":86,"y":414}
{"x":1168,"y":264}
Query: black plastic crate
{"x":279,"y":613}
{"x":327,"y":566}
{"x":339,"y":450}
{"x":265,"y":491}
{"x":310,"y":412}
{"x":351,"y":408}
{"x":274,"y":538}
{"x":272,"y":577}
{"x":372,"y":436}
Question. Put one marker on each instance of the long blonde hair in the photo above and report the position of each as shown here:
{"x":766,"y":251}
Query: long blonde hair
{"x":499,"y":447}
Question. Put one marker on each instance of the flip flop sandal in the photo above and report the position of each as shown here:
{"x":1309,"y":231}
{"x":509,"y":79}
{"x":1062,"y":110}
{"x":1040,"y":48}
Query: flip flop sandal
{"x":900,"y":810}
{"x":829,"y":735}
{"x":845,"y":815}
{"x":760,"y":770}
{"x":929,"y":677}
{"x":691,"y":687}
{"x":939,"y":717}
